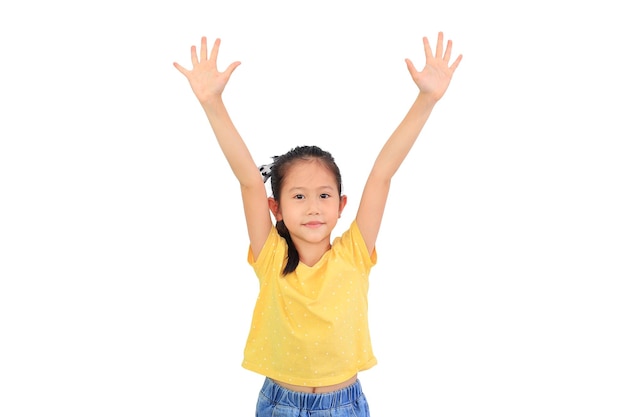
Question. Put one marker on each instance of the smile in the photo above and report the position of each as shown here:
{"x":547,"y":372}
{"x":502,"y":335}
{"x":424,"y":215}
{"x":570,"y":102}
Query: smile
{"x":314,"y":224}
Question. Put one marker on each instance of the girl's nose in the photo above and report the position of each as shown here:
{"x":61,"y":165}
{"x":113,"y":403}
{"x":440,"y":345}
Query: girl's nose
{"x":313,"y":207}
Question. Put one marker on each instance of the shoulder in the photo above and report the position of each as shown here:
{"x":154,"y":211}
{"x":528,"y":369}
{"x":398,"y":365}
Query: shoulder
{"x":273,"y":249}
{"x":351,"y":244}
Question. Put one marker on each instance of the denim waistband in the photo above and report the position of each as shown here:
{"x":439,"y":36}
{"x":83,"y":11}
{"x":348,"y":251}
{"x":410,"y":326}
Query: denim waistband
{"x":311,"y":401}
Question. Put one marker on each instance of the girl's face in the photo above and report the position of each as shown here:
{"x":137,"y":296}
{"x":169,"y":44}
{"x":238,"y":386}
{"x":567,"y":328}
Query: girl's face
{"x":310,"y":204}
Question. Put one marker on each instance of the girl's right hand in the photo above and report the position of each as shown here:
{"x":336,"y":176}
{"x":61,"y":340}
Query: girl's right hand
{"x":205,"y":80}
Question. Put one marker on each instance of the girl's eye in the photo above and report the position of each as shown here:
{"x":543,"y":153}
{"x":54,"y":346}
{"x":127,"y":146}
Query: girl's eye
{"x":299,"y":196}
{"x":324,"y":195}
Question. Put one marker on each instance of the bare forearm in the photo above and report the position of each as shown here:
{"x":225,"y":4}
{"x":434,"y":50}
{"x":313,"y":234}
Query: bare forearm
{"x":402,"y":139}
{"x":231,"y":143}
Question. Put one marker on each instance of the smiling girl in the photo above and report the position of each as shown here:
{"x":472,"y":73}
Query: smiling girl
{"x":309,"y":334}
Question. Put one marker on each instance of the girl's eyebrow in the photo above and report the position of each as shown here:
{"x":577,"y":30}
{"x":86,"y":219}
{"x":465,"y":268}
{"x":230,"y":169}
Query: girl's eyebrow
{"x":323,"y":187}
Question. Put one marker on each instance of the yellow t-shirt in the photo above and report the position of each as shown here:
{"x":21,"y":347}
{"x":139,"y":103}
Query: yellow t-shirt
{"x":311,"y":327}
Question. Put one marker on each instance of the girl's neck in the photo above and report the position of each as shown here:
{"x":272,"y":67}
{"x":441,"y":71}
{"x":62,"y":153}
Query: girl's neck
{"x":311,"y":253}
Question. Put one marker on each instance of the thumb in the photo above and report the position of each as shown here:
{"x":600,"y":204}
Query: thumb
{"x":180,"y":68}
{"x":409,"y":64}
{"x":231,"y":68}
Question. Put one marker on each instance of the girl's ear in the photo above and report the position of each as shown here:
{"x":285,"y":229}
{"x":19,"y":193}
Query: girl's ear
{"x":342,"y":204}
{"x":273,"y":205}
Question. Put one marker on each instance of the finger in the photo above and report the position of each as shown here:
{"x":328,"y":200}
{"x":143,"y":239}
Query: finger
{"x":231,"y":68}
{"x":412,"y":70}
{"x":427,"y":50}
{"x":180,"y":68}
{"x":439,"y":51}
{"x":216,"y":49}
{"x":446,"y":55}
{"x":456,"y":63}
{"x":203,"y":52}
{"x":194,"y":55}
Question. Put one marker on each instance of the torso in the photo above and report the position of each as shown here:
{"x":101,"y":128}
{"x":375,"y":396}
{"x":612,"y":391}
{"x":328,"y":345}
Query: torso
{"x":318,"y":390}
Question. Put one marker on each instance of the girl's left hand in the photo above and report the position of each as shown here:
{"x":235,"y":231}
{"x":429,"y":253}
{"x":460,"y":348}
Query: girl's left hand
{"x":434,"y":79}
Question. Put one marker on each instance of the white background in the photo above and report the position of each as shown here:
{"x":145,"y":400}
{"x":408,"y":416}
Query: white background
{"x":124,"y":287}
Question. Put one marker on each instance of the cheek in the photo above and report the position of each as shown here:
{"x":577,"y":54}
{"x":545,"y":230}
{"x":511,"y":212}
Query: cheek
{"x":287,"y":211}
{"x":332,"y":209}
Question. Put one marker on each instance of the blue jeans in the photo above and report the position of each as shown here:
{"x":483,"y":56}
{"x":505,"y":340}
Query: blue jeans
{"x":276,"y":401}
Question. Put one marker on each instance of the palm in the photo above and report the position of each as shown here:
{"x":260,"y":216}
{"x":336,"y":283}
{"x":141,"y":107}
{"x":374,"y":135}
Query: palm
{"x":434,"y":79}
{"x":205,"y":80}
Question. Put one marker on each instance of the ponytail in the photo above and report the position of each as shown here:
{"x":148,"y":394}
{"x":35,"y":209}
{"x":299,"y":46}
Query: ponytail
{"x":293,"y":258}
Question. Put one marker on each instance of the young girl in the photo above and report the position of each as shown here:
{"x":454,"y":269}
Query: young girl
{"x":309,"y":334}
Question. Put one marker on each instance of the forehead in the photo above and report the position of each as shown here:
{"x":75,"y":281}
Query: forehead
{"x":309,"y":174}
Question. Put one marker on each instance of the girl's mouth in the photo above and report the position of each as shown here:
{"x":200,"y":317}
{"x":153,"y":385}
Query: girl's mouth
{"x":313,"y":224}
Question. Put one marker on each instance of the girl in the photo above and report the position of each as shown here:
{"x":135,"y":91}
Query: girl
{"x":309,"y":334}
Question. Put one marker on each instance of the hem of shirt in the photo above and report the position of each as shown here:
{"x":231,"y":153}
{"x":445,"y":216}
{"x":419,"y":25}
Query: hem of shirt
{"x":309,"y":382}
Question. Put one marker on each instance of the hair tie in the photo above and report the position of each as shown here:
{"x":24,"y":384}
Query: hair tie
{"x":266,"y":171}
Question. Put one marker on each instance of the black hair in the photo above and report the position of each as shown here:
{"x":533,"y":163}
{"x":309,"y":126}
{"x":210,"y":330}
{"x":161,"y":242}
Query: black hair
{"x":280,"y":168}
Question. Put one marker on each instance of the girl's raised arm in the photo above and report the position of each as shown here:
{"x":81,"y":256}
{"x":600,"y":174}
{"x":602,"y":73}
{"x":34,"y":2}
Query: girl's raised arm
{"x":432,"y":82}
{"x":208,"y":84}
